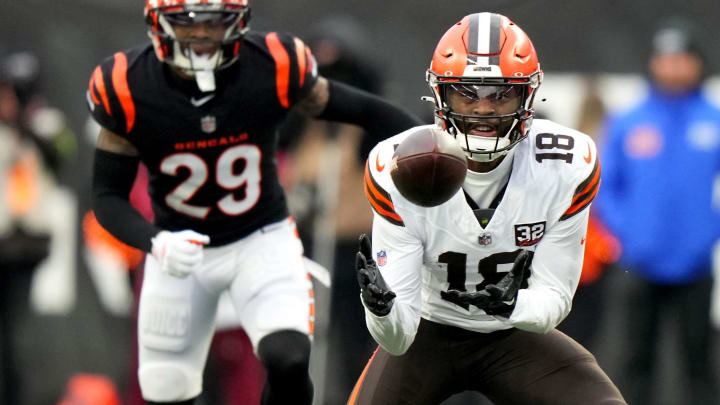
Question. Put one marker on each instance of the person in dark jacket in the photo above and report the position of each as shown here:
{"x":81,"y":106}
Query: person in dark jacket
{"x":660,"y":166}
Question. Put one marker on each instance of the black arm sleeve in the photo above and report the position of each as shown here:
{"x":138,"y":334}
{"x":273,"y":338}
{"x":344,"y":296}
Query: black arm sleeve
{"x":379,"y":118}
{"x":113,"y":177}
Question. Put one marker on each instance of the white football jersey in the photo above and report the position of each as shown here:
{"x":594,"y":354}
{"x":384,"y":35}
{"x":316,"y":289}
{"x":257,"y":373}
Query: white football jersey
{"x":423,"y":252}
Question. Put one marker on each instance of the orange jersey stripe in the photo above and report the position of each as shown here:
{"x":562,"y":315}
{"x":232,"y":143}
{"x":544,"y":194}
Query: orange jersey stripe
{"x":300,"y":51}
{"x":356,"y":390}
{"x":593,"y":183}
{"x":120,"y":84}
{"x":380,"y":210}
{"x":97,"y":78}
{"x":585,"y":193}
{"x":375,"y":198}
{"x":311,"y":308}
{"x":282,"y":67}
{"x":581,"y":204}
{"x":377,"y":195}
{"x":91,"y":90}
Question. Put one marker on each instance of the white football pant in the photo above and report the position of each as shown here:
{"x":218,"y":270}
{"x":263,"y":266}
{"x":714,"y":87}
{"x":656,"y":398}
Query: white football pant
{"x":270,"y":290}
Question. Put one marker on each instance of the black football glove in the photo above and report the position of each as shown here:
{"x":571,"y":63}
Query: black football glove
{"x":376,"y":294}
{"x":499,"y":299}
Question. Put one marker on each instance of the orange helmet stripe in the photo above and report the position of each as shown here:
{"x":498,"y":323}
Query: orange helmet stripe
{"x":282,"y":67}
{"x":120,"y":84}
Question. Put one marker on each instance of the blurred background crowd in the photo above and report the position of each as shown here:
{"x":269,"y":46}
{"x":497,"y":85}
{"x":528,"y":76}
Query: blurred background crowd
{"x":642,"y":79}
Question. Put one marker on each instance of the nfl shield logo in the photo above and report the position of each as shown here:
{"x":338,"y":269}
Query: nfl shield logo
{"x":381,"y":258}
{"x":208,"y":124}
{"x":485,"y":239}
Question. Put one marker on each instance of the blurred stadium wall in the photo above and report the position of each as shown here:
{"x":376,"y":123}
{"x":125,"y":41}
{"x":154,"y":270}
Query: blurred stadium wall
{"x":571,"y":35}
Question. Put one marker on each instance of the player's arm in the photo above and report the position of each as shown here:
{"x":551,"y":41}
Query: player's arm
{"x":395,"y":331}
{"x":556,"y":268}
{"x":114,"y":171}
{"x":334,"y":101}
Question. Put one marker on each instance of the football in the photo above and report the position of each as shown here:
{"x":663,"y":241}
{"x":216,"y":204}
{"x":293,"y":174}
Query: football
{"x":428,"y":167}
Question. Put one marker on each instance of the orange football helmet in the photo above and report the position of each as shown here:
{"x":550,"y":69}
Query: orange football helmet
{"x":485,"y":56}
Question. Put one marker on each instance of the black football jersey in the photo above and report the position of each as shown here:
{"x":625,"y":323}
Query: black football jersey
{"x":210,"y":156}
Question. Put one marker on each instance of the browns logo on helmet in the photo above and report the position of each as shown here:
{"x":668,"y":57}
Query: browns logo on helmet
{"x":487,"y":57}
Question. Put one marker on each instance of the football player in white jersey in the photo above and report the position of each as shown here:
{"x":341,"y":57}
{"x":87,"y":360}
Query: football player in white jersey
{"x":466,"y":295}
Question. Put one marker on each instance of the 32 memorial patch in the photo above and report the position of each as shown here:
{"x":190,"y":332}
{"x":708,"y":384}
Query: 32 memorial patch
{"x":529,"y":234}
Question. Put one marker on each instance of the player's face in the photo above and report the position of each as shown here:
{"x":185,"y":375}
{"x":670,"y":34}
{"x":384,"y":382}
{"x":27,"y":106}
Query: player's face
{"x":676,"y":72}
{"x":201,"y":31}
{"x":484,"y":101}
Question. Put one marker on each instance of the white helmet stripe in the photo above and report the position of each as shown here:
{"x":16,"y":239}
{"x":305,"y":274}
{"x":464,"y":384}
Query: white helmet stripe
{"x":485,"y":41}
{"x":494,"y":40}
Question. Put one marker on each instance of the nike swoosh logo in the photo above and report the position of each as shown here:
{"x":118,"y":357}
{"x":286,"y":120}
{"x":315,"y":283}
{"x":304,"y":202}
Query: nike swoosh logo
{"x":201,"y":101}
{"x":377,"y":163}
{"x":588,"y":158}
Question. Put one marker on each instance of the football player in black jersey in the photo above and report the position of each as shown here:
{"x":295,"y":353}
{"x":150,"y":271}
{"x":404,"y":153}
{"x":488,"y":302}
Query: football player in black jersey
{"x":200,"y":107}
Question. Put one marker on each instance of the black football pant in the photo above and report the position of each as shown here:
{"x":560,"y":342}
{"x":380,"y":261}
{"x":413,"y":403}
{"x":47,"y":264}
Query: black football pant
{"x":511,"y":367}
{"x":652,"y":307}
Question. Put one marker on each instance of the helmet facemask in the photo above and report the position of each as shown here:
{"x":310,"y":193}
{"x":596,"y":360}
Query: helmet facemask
{"x":198,"y":57}
{"x":490,"y":134}
{"x":484,"y":76}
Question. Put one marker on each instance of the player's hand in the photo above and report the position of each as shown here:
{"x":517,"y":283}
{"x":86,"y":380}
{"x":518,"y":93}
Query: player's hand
{"x":498,"y":299}
{"x":179,"y":253}
{"x":376,"y":294}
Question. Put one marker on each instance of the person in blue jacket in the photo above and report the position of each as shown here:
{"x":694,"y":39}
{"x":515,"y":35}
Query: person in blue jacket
{"x":660,"y":163}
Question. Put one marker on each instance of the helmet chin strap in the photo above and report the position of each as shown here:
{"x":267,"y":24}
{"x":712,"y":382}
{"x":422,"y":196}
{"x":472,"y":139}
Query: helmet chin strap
{"x":470,"y":144}
{"x":480,"y":156}
{"x":205,"y":80}
{"x":203,"y":69}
